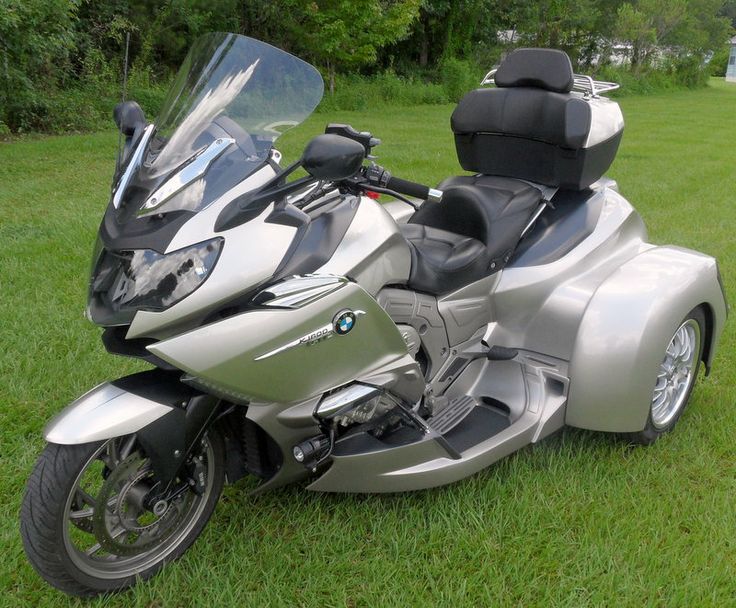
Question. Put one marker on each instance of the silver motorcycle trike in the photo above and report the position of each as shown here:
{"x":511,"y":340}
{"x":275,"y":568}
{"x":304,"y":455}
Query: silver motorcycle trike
{"x":300,"y":330}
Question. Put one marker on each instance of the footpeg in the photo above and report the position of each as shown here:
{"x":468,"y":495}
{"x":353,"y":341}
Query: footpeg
{"x":452,"y":414}
{"x":501,"y":353}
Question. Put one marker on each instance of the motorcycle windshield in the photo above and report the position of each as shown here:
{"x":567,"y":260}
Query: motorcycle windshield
{"x":232,"y":98}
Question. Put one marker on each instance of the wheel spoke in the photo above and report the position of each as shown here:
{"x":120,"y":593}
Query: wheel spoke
{"x":676,"y":374}
{"x":107,"y":532}
{"x":86,"y":497}
{"x":93,"y":549}
{"x":82,"y":514}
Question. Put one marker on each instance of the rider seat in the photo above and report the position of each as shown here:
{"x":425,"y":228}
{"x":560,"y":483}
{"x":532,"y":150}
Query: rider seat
{"x":530,"y":128}
{"x":471,"y":233}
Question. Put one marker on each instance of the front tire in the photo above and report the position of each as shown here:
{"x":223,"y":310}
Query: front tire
{"x":676,"y":379}
{"x":83,"y":524}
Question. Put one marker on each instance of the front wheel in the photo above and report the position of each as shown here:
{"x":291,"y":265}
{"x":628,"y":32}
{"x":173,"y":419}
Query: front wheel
{"x":85,"y":522}
{"x":675,"y":379}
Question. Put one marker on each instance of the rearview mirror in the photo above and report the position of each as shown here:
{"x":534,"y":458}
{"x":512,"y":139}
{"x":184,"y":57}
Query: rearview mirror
{"x":128,"y":116}
{"x":332,"y":157}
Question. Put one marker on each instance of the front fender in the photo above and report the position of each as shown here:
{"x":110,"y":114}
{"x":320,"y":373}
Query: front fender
{"x":625,"y":330}
{"x":115,"y":408}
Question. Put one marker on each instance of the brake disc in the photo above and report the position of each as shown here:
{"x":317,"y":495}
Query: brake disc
{"x":116,"y":520}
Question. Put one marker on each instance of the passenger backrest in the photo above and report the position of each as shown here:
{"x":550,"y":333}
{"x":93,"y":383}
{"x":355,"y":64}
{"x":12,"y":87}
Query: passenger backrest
{"x":533,"y":127}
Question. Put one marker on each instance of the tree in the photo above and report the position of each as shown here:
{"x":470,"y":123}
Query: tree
{"x":36,"y":37}
{"x":682,"y":28}
{"x":343,"y":34}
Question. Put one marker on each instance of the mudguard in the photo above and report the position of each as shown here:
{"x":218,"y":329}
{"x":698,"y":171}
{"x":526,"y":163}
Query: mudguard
{"x":626,"y":328}
{"x":168,"y":417}
{"x":113,"y":409}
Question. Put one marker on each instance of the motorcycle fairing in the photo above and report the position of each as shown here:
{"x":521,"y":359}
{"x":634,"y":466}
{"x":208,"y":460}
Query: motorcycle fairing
{"x":293,"y":353}
{"x":212,"y":142}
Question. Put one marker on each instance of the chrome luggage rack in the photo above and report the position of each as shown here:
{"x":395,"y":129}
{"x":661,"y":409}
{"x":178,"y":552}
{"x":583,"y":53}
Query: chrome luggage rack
{"x":583,"y":84}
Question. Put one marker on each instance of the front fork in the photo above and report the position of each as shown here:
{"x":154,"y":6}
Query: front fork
{"x":168,"y":418}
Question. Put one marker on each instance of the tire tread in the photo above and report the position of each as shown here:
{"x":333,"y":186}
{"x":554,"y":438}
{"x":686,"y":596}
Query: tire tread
{"x":42,"y":524}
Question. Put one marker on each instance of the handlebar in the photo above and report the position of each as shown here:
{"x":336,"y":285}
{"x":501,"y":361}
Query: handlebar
{"x":378,"y":176}
{"x":404,"y":186}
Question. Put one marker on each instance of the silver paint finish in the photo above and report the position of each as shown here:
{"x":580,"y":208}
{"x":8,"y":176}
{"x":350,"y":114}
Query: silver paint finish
{"x":539,"y":308}
{"x":250,"y":255}
{"x":373,"y":252}
{"x":103,"y":413}
{"x":539,"y":397}
{"x":193,"y":170}
{"x":308,"y":339}
{"x":399,"y":210}
{"x":411,"y":337}
{"x":468,"y":308}
{"x":627,"y":325}
{"x":133,"y":163}
{"x":226,"y":353}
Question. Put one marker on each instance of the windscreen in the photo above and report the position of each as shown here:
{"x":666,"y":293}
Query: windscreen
{"x":229,"y":102}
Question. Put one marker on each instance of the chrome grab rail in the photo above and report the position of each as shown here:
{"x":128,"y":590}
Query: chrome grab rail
{"x":586,"y":85}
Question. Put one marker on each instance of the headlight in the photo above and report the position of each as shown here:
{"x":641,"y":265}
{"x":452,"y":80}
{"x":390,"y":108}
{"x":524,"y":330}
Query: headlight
{"x":144,"y":279}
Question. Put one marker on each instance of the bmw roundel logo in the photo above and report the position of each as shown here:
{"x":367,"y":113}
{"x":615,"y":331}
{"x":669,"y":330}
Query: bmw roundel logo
{"x":344,"y":321}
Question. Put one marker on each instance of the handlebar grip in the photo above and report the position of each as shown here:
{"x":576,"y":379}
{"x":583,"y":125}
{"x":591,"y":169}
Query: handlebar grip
{"x":414,"y":189}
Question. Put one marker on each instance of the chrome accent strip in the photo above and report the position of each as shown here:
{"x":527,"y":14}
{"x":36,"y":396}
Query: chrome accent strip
{"x":488,"y":78}
{"x":321,"y":333}
{"x":535,"y":217}
{"x":301,"y":290}
{"x":192,"y":171}
{"x":547,"y":194}
{"x":353,"y":394}
{"x":303,"y":297}
{"x":135,"y":160}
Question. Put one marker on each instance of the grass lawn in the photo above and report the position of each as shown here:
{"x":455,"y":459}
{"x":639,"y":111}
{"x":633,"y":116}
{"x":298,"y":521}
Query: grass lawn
{"x":580,"y":519}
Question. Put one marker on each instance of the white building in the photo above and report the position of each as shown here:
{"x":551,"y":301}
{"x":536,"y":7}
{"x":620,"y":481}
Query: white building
{"x":731,"y":69}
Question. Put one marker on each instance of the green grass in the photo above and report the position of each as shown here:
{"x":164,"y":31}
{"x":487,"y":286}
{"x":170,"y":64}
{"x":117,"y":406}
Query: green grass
{"x":580,"y":519}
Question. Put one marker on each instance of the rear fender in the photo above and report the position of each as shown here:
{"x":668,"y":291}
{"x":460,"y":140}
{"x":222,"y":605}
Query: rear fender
{"x":626,"y":328}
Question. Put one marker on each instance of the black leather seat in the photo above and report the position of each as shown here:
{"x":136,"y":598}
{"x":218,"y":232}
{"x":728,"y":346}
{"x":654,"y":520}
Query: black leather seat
{"x":530,"y":127}
{"x":470,"y":234}
{"x":442,"y":261}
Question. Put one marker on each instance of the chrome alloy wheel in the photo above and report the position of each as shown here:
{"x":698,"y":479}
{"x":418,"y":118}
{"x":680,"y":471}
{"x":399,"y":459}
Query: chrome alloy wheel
{"x":676,"y":374}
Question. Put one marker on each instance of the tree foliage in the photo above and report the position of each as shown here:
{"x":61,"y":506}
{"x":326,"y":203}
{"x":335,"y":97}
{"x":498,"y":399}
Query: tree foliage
{"x":53,"y":48}
{"x":345,"y":34}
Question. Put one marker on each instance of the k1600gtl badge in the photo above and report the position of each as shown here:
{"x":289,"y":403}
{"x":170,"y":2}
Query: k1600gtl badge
{"x":342,"y":323}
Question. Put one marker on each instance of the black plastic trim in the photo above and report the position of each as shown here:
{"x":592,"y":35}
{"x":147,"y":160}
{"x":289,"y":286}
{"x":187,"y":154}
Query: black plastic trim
{"x":560,"y":228}
{"x":317,"y":240}
{"x":151,"y":232}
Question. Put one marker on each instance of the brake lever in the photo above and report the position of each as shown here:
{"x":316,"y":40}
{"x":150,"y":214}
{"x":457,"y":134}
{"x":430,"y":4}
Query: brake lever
{"x":393,"y":193}
{"x":377,"y":177}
